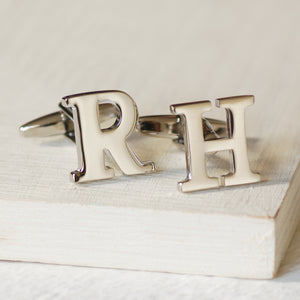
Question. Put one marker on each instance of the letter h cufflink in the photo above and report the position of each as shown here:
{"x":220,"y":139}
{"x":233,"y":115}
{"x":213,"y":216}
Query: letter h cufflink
{"x":196,"y":146}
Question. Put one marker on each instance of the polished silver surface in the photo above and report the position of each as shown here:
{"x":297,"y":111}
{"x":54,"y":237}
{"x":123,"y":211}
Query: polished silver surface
{"x":61,"y":122}
{"x":115,"y":114}
{"x":165,"y":126}
{"x":172,"y":126}
{"x":56,"y":123}
{"x":103,"y":121}
{"x":197,"y":146}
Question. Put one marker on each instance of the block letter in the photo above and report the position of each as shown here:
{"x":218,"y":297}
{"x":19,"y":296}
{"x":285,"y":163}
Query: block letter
{"x":196,"y":146}
{"x":92,"y":142}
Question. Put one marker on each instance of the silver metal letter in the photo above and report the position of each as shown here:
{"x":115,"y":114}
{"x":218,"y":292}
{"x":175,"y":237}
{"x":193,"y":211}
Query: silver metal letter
{"x":93,"y":142}
{"x":196,"y":146}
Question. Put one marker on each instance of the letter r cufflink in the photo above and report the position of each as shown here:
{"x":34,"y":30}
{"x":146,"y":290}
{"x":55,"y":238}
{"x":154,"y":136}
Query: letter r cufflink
{"x":100,"y":123}
{"x":80,"y":120}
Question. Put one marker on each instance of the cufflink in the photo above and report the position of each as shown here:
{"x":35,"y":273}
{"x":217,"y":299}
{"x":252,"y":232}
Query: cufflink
{"x":201,"y":136}
{"x":99,"y":123}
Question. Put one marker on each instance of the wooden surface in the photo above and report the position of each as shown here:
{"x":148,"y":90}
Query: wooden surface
{"x":161,"y":54}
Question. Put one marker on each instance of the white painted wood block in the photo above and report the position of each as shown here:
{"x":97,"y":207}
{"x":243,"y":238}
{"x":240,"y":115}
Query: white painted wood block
{"x":143,"y":222}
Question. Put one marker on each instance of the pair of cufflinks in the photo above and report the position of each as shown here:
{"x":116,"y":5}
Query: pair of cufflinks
{"x":100,"y":123}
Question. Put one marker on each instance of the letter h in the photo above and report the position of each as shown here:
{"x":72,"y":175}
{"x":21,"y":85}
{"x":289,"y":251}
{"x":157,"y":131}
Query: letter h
{"x":197,"y":147}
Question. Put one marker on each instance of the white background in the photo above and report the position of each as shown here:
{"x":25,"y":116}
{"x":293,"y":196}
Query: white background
{"x":158,"y":51}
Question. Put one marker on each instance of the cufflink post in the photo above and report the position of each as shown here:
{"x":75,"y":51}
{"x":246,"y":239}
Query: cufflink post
{"x":164,"y":126}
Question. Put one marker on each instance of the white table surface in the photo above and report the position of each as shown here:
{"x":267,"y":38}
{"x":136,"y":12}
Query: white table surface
{"x":53,"y":48}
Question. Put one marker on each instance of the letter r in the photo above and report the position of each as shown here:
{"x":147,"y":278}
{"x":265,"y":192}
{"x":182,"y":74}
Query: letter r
{"x":92,"y":142}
